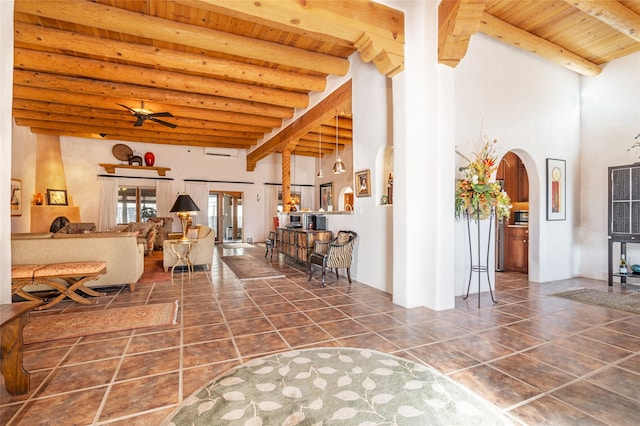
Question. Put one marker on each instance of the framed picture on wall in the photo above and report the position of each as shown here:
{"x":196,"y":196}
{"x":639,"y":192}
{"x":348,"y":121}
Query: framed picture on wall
{"x":326,"y":196}
{"x":363,"y":183}
{"x":16,"y":197}
{"x":556,"y":189}
{"x":57,"y":197}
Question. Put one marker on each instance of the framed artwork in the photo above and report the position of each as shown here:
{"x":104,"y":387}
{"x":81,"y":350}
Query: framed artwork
{"x":16,"y":197}
{"x":363,"y":183}
{"x":556,"y":189}
{"x":326,"y":196}
{"x":57,"y":197}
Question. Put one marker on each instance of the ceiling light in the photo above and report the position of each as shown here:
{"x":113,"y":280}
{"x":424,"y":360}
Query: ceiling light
{"x":319,"y":175}
{"x":338,"y":166}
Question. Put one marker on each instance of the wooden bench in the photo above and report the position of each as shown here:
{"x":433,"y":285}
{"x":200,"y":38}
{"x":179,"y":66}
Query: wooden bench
{"x":65,"y":278}
{"x":14,"y":317}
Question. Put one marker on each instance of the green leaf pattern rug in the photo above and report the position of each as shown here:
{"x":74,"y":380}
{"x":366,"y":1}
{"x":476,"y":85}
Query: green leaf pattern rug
{"x":335,"y":386}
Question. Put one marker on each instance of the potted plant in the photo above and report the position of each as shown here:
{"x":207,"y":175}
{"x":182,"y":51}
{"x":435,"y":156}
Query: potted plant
{"x":477,"y":193}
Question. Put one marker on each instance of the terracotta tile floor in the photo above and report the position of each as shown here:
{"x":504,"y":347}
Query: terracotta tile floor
{"x":542,"y":359}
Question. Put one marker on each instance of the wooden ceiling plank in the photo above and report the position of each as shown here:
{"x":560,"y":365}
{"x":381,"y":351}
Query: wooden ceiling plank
{"x":32,"y":60}
{"x":153,"y":57}
{"x":612,"y":13}
{"x":141,"y":25}
{"x":82,"y":99}
{"x":137,"y":93}
{"x":332,"y":105}
{"x":510,"y":34}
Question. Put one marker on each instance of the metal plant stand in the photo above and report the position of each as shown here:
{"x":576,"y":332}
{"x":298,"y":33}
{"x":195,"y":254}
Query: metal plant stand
{"x":479,"y":267}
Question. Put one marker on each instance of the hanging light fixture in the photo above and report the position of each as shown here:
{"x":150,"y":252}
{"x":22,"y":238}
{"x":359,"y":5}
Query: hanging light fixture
{"x":338,"y":166}
{"x":319,"y":175}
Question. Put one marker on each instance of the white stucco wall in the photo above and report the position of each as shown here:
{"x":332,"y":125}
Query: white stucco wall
{"x":531,"y":106}
{"x":610,"y":122}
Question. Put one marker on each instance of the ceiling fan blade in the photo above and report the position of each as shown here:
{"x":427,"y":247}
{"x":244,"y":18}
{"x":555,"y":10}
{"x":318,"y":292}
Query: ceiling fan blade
{"x":160,"y":114}
{"x":173,"y":126}
{"x":130,"y":109}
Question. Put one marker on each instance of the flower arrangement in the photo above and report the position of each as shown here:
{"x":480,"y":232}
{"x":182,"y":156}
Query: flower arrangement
{"x":478,"y":193}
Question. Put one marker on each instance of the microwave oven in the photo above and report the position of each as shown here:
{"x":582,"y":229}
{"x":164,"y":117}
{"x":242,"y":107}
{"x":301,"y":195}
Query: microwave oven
{"x":521,"y":217}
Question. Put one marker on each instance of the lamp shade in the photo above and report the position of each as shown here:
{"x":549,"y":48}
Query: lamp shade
{"x":338,"y":166}
{"x":184,"y":203}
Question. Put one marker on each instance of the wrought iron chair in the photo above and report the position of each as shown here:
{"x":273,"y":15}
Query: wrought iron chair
{"x":270,"y":243}
{"x":335,"y":253}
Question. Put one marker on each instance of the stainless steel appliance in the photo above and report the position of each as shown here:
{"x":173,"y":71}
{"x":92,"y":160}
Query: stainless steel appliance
{"x":521,"y":217}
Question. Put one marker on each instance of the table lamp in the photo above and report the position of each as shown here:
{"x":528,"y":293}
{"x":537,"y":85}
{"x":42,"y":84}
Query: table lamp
{"x":184,"y":207}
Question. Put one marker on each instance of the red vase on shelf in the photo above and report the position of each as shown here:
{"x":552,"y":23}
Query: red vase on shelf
{"x":149,"y":159}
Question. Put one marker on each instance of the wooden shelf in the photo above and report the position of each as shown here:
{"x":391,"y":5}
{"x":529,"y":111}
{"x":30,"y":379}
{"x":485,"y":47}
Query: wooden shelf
{"x":111,"y":168}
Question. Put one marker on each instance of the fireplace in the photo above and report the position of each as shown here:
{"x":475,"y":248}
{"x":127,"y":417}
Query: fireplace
{"x":50,"y":175}
{"x":58,"y":223}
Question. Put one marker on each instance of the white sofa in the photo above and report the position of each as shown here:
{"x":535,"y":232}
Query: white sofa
{"x":121,"y":251}
{"x":201,"y":252}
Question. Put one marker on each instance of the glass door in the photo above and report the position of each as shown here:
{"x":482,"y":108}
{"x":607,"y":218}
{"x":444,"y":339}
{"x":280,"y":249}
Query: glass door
{"x":225,"y":215}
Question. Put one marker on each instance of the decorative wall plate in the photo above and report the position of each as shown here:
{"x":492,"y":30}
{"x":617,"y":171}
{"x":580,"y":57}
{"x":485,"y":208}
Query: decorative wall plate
{"x":122,"y":152}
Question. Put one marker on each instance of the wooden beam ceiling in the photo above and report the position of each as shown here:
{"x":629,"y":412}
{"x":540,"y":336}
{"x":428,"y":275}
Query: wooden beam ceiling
{"x":580,"y":35}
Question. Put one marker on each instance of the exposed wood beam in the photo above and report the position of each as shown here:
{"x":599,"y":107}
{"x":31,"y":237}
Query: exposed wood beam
{"x":91,"y":135}
{"x":458,"y":20}
{"x":154,"y":57}
{"x":612,"y":13}
{"x":23,"y":117}
{"x":149,"y":132}
{"x":87,"y":100}
{"x":132,"y":92}
{"x":31,"y":60}
{"x":36,"y":107}
{"x":375,"y":30}
{"x":141,"y":25}
{"x":517,"y":37}
{"x":332,"y":105}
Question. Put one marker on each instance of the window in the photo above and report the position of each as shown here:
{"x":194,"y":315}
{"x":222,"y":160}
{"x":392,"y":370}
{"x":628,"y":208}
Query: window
{"x":136,"y":204}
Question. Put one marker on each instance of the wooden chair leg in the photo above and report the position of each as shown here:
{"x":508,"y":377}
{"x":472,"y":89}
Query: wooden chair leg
{"x":324,"y":270}
{"x":310,"y":270}
{"x":349,"y":274}
{"x":337,"y":276}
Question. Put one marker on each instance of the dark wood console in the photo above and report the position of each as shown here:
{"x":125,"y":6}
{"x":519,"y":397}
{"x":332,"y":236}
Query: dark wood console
{"x":297,"y":244}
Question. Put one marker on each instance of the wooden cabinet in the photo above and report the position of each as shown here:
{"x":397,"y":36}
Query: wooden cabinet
{"x":517,"y":249}
{"x":298,"y":243}
{"x":513,"y":173}
{"x":624,"y":214}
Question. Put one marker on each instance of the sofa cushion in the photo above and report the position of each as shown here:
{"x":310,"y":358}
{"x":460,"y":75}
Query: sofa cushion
{"x":77,"y":228}
{"x":142,"y":228}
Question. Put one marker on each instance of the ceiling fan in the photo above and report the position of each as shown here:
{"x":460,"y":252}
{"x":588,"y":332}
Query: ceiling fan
{"x":143,"y":114}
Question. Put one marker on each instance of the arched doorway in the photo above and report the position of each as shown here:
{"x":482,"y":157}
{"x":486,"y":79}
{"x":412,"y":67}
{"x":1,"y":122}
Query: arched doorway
{"x":512,"y":235}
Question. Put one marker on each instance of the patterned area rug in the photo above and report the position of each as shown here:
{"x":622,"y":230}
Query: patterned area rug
{"x":341,"y":386}
{"x":247,"y":267}
{"x":628,"y":303}
{"x":45,"y":327}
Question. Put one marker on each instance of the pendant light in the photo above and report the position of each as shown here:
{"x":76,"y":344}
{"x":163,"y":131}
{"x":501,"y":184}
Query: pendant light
{"x":338,"y":166}
{"x":319,"y":175}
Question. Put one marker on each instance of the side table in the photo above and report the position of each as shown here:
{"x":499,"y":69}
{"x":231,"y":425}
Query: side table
{"x":182,"y":250}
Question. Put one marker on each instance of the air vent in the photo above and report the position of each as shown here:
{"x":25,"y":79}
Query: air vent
{"x":221,"y":152}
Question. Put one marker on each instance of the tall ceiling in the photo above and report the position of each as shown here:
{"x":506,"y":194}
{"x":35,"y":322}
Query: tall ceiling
{"x":228,"y":72}
{"x":232,"y":72}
